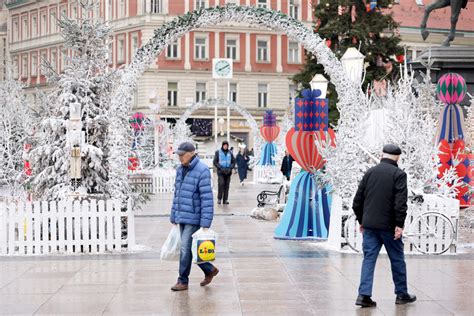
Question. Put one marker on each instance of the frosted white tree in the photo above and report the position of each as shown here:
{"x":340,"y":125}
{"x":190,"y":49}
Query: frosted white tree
{"x":16,"y":128}
{"x":88,"y":82}
{"x":411,"y":114}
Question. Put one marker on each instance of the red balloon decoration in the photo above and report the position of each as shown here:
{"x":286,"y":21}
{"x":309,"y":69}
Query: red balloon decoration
{"x":301,"y":146}
{"x":270,"y":133}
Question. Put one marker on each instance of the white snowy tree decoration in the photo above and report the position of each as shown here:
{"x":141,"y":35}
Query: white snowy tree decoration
{"x":411,"y":114}
{"x":16,"y":130}
{"x":88,"y":82}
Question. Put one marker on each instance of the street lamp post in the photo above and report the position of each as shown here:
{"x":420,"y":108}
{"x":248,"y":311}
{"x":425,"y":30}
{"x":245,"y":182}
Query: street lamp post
{"x":154,"y":105}
{"x":353,"y":63}
{"x":319,"y":82}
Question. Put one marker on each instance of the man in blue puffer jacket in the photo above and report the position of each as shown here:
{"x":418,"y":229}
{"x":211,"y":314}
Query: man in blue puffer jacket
{"x":193,"y":208}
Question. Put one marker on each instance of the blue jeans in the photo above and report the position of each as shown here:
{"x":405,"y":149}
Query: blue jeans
{"x":373,"y":241}
{"x":186,"y":255}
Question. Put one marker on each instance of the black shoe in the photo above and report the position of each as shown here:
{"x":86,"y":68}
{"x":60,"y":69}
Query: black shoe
{"x":226,"y":202}
{"x":405,"y":298}
{"x":365,"y":301}
{"x":219,"y":202}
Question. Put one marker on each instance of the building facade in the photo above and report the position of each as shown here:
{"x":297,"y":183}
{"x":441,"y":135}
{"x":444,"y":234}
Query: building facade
{"x":263,"y":60}
{"x":3,"y":39}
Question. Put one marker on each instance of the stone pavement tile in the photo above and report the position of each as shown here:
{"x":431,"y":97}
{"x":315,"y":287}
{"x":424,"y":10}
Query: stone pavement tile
{"x":338,"y":306}
{"x":141,"y":303}
{"x":263,"y":287}
{"x":206,"y":302}
{"x":271,"y":294}
{"x":417,"y":308}
{"x":33,"y":286}
{"x":76,"y":304}
{"x":272,"y":307}
{"x":153,"y":278}
{"x":59,"y":266}
{"x":446,"y":291}
{"x":271,"y":271}
{"x":461,"y":305}
{"x":122,"y":266}
{"x":257,"y":267}
{"x":99,"y":277}
{"x":356,"y":312}
{"x":279,"y":279}
{"x":47,"y":275}
{"x":312,"y":291}
{"x":153,"y":288}
{"x":321,"y":278}
{"x":88,"y":289}
{"x":21,"y":303}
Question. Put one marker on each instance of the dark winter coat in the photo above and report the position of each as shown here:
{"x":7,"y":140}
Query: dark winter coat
{"x":286,"y":165}
{"x":381,"y":199}
{"x":220,"y":170}
{"x":193,"y":199}
{"x":242,"y":165}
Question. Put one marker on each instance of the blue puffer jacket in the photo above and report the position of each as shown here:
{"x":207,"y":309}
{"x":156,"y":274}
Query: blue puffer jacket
{"x":193,"y":201}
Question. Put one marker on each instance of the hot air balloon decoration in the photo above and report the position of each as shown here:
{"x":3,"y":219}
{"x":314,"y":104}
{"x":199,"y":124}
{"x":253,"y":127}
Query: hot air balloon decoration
{"x":307,"y":211}
{"x":451,"y":90}
{"x":270,"y":132}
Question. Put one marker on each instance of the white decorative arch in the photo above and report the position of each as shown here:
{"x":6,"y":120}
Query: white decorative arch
{"x":220,"y":103}
{"x":350,"y":95}
{"x":296,"y":30}
{"x":181,"y":123}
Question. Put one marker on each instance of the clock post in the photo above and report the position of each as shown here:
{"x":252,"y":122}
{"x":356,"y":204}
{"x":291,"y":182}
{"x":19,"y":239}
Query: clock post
{"x":222,"y":68}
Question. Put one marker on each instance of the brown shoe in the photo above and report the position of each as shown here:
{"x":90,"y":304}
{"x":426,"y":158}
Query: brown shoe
{"x":179,"y":287}
{"x":208,"y":278}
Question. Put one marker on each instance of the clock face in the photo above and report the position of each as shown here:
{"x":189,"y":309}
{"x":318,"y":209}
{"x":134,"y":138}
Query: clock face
{"x":222,"y":68}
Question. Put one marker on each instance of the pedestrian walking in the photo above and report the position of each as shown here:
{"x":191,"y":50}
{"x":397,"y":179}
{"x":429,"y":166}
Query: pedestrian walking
{"x":224,"y":162}
{"x":286,"y":165}
{"x":193,"y":208}
{"x":380,"y":206}
{"x":242,"y":160}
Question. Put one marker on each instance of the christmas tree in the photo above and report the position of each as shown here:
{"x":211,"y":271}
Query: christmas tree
{"x":86,"y":86}
{"x":364,"y":24}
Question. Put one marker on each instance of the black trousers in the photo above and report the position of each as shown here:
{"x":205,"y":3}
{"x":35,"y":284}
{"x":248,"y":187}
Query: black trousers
{"x":223,"y":187}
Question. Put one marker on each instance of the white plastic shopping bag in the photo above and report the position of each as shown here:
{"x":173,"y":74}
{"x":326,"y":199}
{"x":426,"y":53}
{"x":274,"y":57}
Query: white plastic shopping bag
{"x":204,"y":246}
{"x":171,"y":247}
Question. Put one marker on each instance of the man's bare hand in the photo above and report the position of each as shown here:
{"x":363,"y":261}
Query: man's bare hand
{"x":361,"y":229}
{"x":398,"y":233}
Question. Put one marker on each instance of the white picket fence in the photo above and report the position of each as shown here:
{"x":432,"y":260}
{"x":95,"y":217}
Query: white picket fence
{"x":155,"y":181}
{"x":432,"y":203}
{"x":65,"y":227}
{"x":164,"y":180}
{"x":267,"y":174}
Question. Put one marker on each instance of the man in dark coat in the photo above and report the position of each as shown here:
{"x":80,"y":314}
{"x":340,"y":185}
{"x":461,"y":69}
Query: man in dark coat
{"x":224,"y":162}
{"x":193,"y":208}
{"x":286,"y":165}
{"x":380,"y":206}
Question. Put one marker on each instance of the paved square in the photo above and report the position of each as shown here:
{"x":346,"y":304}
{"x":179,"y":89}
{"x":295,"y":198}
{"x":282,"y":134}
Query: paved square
{"x":259,"y":275}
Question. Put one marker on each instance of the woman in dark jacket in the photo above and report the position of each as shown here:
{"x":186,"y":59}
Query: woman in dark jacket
{"x":242,"y":164}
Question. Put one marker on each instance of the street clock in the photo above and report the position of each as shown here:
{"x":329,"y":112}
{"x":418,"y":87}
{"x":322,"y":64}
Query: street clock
{"x":222,"y":68}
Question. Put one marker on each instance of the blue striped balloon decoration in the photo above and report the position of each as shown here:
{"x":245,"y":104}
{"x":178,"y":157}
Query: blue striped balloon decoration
{"x":269,"y":151}
{"x":307,"y":212}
